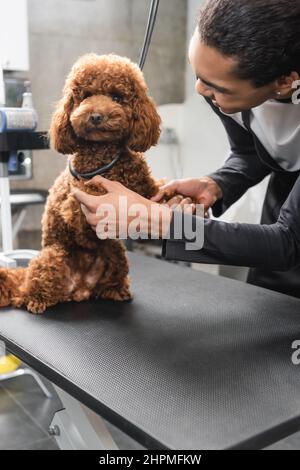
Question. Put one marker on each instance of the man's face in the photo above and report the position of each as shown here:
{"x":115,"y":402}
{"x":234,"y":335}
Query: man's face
{"x":216,"y":80}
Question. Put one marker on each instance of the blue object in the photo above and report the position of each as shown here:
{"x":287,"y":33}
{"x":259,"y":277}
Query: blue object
{"x":13,"y":162}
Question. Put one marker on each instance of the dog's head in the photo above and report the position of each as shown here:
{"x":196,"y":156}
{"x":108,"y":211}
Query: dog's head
{"x":105,"y":99}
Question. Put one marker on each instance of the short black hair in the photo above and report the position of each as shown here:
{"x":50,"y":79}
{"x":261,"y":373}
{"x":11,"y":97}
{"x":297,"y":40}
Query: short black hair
{"x":263,"y":35}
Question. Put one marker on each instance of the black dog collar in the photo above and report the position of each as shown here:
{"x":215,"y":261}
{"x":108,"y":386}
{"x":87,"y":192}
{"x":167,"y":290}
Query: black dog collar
{"x":99,"y":171}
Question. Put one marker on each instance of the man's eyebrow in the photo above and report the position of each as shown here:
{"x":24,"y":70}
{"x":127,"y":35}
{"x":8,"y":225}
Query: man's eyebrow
{"x":212,"y":85}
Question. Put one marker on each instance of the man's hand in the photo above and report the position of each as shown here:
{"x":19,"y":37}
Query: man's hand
{"x":192,"y":191}
{"x":116,"y":224}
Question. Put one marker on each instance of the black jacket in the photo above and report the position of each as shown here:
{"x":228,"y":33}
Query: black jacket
{"x":271,"y":249}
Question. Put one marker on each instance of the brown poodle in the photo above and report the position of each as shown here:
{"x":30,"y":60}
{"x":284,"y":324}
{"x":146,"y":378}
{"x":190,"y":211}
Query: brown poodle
{"x":105,"y":114}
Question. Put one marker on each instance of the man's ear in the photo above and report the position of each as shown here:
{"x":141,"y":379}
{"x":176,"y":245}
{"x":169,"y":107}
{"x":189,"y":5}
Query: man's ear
{"x":145,"y":130}
{"x":285,"y":84}
{"x":62,"y":136}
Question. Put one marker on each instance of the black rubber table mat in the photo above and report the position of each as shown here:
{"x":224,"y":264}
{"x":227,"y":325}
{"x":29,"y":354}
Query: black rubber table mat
{"x":194,"y":362}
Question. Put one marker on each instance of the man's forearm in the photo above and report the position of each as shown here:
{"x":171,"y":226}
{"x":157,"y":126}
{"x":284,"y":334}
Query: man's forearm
{"x":239,"y":173}
{"x":271,"y":247}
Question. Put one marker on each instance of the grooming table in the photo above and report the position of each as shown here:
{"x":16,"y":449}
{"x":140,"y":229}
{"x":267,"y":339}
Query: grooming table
{"x":194,"y":362}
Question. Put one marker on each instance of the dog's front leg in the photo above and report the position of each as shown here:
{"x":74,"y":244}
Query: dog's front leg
{"x":114,"y":282}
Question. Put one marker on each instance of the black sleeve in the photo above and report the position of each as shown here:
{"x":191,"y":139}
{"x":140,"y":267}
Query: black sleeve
{"x":242,"y":170}
{"x":271,"y":247}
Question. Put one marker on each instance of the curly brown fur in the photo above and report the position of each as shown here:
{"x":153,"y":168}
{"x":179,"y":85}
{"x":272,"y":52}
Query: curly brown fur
{"x":74,"y":264}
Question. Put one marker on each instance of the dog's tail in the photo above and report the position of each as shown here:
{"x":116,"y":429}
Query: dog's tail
{"x":11,"y":281}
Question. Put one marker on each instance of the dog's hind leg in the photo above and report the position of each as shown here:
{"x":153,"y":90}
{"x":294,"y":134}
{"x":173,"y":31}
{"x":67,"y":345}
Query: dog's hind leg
{"x":10,"y":282}
{"x":47,"y":279}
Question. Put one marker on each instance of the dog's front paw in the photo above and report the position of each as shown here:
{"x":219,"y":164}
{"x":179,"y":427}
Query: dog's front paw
{"x":123,"y":295}
{"x":36,"y":306}
{"x":119,"y":295}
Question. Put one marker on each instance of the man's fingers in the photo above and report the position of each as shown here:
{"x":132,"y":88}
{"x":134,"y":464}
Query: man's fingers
{"x":84,"y":210}
{"x":158,"y":197}
{"x":168,"y":188}
{"x":187,"y":208}
{"x":205,"y":202}
{"x":175,"y":200}
{"x":190,"y":209}
{"x":103,"y":182}
{"x":186,"y":201}
{"x":91,"y":202}
{"x":91,"y":217}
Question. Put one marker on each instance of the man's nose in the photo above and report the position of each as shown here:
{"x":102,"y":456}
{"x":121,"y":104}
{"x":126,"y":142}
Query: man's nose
{"x":96,"y":118}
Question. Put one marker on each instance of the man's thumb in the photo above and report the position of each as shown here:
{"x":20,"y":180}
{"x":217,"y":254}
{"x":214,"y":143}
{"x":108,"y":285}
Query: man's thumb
{"x":103,"y":182}
{"x":91,"y":202}
{"x":166,"y":190}
{"x":205,"y":202}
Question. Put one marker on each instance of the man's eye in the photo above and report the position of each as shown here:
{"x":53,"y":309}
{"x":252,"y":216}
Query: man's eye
{"x":117,"y":98}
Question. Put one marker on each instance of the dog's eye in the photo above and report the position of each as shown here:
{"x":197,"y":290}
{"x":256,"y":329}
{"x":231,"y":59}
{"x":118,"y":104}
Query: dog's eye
{"x":87,"y":94}
{"x":117,"y":98}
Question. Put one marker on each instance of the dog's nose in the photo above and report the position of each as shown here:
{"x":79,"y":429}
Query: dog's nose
{"x":96,"y":118}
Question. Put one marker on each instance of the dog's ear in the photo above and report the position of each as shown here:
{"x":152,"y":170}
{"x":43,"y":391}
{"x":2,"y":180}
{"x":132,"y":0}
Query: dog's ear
{"x":62,"y":136}
{"x":145,"y":130}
